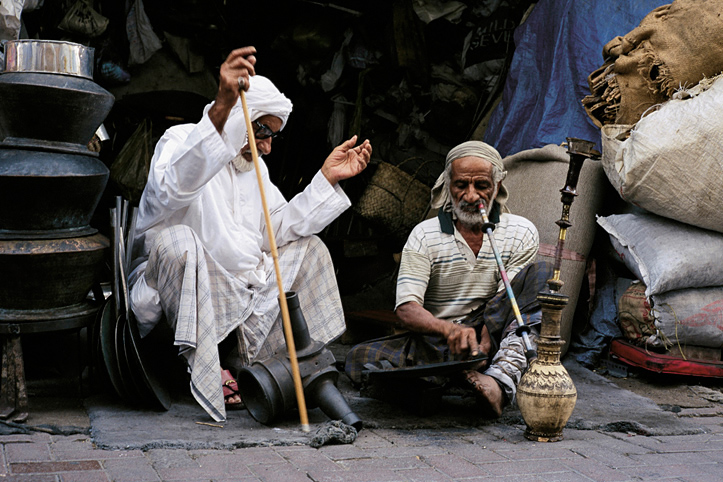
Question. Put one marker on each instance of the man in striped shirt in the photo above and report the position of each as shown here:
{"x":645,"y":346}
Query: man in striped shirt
{"x":450,"y":295}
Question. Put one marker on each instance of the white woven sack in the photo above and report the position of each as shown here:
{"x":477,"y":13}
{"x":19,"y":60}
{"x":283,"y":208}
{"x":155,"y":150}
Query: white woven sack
{"x":665,"y":254}
{"x":672,"y":163}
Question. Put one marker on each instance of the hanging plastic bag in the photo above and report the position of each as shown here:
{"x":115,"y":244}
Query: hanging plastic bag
{"x":143,"y":42}
{"x":129,"y":171}
{"x":81,"y":19}
{"x":10,"y":24}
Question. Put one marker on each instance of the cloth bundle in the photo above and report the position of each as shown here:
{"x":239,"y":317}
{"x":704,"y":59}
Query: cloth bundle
{"x":675,"y":46}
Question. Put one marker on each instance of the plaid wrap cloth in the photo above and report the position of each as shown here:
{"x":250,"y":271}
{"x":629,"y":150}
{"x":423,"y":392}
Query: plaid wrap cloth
{"x":204,"y":303}
{"x":412,"y":349}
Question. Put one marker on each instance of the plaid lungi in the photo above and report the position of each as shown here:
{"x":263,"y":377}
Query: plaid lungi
{"x":412,"y":349}
{"x":204,"y":303}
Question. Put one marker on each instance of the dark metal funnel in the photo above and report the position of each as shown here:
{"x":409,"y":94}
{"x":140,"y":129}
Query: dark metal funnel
{"x":267,"y":387}
{"x":321,"y":391}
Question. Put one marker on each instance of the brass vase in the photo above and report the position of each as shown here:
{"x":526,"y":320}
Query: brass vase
{"x":546,"y":394}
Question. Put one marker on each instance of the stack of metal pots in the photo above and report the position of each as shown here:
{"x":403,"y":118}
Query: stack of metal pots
{"x":50,"y":182}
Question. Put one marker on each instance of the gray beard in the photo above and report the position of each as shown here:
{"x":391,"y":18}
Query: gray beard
{"x":470,"y":219}
{"x":241,"y":164}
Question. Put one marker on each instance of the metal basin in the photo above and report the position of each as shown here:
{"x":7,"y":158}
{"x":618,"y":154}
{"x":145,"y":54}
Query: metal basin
{"x":49,"y":56}
{"x":47,"y":92}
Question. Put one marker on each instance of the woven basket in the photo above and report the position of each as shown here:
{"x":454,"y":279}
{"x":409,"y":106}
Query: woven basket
{"x":395,"y":199}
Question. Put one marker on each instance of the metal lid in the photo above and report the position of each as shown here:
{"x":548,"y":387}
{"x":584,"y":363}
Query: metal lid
{"x":49,"y":56}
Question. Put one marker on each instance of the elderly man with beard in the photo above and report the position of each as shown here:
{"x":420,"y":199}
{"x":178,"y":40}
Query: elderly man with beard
{"x":450,"y":295}
{"x":201,"y":252}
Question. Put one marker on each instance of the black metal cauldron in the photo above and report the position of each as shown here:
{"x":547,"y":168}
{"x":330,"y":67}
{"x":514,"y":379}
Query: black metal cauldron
{"x":48,"y":194}
{"x":50,"y":182}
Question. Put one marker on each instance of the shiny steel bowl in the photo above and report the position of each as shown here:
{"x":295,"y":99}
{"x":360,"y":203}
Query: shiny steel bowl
{"x":49,"y":56}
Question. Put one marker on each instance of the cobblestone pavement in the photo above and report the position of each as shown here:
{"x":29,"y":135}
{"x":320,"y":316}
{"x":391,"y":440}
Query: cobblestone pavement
{"x":493,"y":452}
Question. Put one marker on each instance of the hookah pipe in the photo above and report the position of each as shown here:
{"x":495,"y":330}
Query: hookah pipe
{"x":288,"y":332}
{"x":579,"y":150}
{"x":546,"y":393}
{"x":523,"y":329}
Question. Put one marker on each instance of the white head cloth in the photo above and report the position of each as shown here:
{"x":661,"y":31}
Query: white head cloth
{"x":262,"y":98}
{"x":440,"y":192}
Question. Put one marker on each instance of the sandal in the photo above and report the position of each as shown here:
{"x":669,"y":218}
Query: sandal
{"x":230,"y":388}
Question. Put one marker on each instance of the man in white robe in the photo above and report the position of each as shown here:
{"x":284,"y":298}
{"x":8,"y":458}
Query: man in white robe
{"x":201,"y":253}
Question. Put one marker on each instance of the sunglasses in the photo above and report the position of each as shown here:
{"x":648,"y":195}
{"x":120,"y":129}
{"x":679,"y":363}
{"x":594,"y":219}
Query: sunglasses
{"x":264,"y":132}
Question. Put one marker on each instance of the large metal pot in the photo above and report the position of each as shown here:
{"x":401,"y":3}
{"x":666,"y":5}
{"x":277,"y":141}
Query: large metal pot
{"x":47,"y":92}
{"x":51,"y":107}
{"x":48,"y":193}
{"x":41,"y":274}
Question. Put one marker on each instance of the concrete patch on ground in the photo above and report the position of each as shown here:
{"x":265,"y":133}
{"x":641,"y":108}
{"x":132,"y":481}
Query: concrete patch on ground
{"x":601,"y":405}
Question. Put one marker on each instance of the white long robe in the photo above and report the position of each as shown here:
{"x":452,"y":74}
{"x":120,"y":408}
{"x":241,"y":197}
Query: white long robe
{"x":192,"y":182}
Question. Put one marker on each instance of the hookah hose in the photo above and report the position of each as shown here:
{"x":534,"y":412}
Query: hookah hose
{"x":523,"y":329}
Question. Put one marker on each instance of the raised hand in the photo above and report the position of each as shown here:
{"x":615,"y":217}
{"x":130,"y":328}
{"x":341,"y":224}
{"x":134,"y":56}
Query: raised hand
{"x":347,"y":160}
{"x":234,"y":75}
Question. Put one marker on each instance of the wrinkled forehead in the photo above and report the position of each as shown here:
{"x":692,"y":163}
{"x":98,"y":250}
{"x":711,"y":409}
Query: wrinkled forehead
{"x":471,"y":167}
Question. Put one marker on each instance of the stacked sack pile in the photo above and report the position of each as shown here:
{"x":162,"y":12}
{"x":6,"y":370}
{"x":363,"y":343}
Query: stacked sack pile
{"x":666,"y":158}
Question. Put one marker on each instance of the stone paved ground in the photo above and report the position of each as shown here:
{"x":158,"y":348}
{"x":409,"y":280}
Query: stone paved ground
{"x":495,"y":453}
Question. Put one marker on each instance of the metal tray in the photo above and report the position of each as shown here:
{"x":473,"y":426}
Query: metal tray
{"x":156,"y":392}
{"x":130,"y":391}
{"x":428,"y":370}
{"x":107,"y":344}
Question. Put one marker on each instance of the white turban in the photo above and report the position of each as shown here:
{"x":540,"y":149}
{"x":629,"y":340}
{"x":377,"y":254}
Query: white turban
{"x":441,"y":197}
{"x":262,"y":98}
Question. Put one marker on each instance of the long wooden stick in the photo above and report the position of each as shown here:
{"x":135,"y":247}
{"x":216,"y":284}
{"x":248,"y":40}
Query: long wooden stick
{"x":296,"y":375}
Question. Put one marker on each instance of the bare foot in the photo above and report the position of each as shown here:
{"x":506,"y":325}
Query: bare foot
{"x":489,"y":393}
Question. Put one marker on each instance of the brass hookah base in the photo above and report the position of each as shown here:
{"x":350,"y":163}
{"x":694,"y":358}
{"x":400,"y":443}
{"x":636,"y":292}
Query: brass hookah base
{"x":546,"y":395}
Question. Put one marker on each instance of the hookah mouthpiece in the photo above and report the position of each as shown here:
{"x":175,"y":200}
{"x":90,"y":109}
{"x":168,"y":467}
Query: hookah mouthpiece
{"x":487,"y":225}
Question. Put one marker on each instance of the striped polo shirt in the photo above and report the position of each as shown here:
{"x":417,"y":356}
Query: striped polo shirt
{"x":439,"y":270}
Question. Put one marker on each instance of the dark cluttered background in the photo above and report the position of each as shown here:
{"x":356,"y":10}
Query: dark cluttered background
{"x":414,"y":77}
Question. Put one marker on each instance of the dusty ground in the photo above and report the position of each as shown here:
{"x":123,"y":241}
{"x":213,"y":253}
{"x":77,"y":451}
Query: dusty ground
{"x":672,"y":392}
{"x":56,"y":398}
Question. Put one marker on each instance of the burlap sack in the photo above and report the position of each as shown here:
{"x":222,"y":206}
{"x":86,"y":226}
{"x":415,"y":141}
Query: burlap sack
{"x":665,"y":254}
{"x":676,"y":45}
{"x":534,"y":179}
{"x":674,"y":319}
{"x":690,"y":317}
